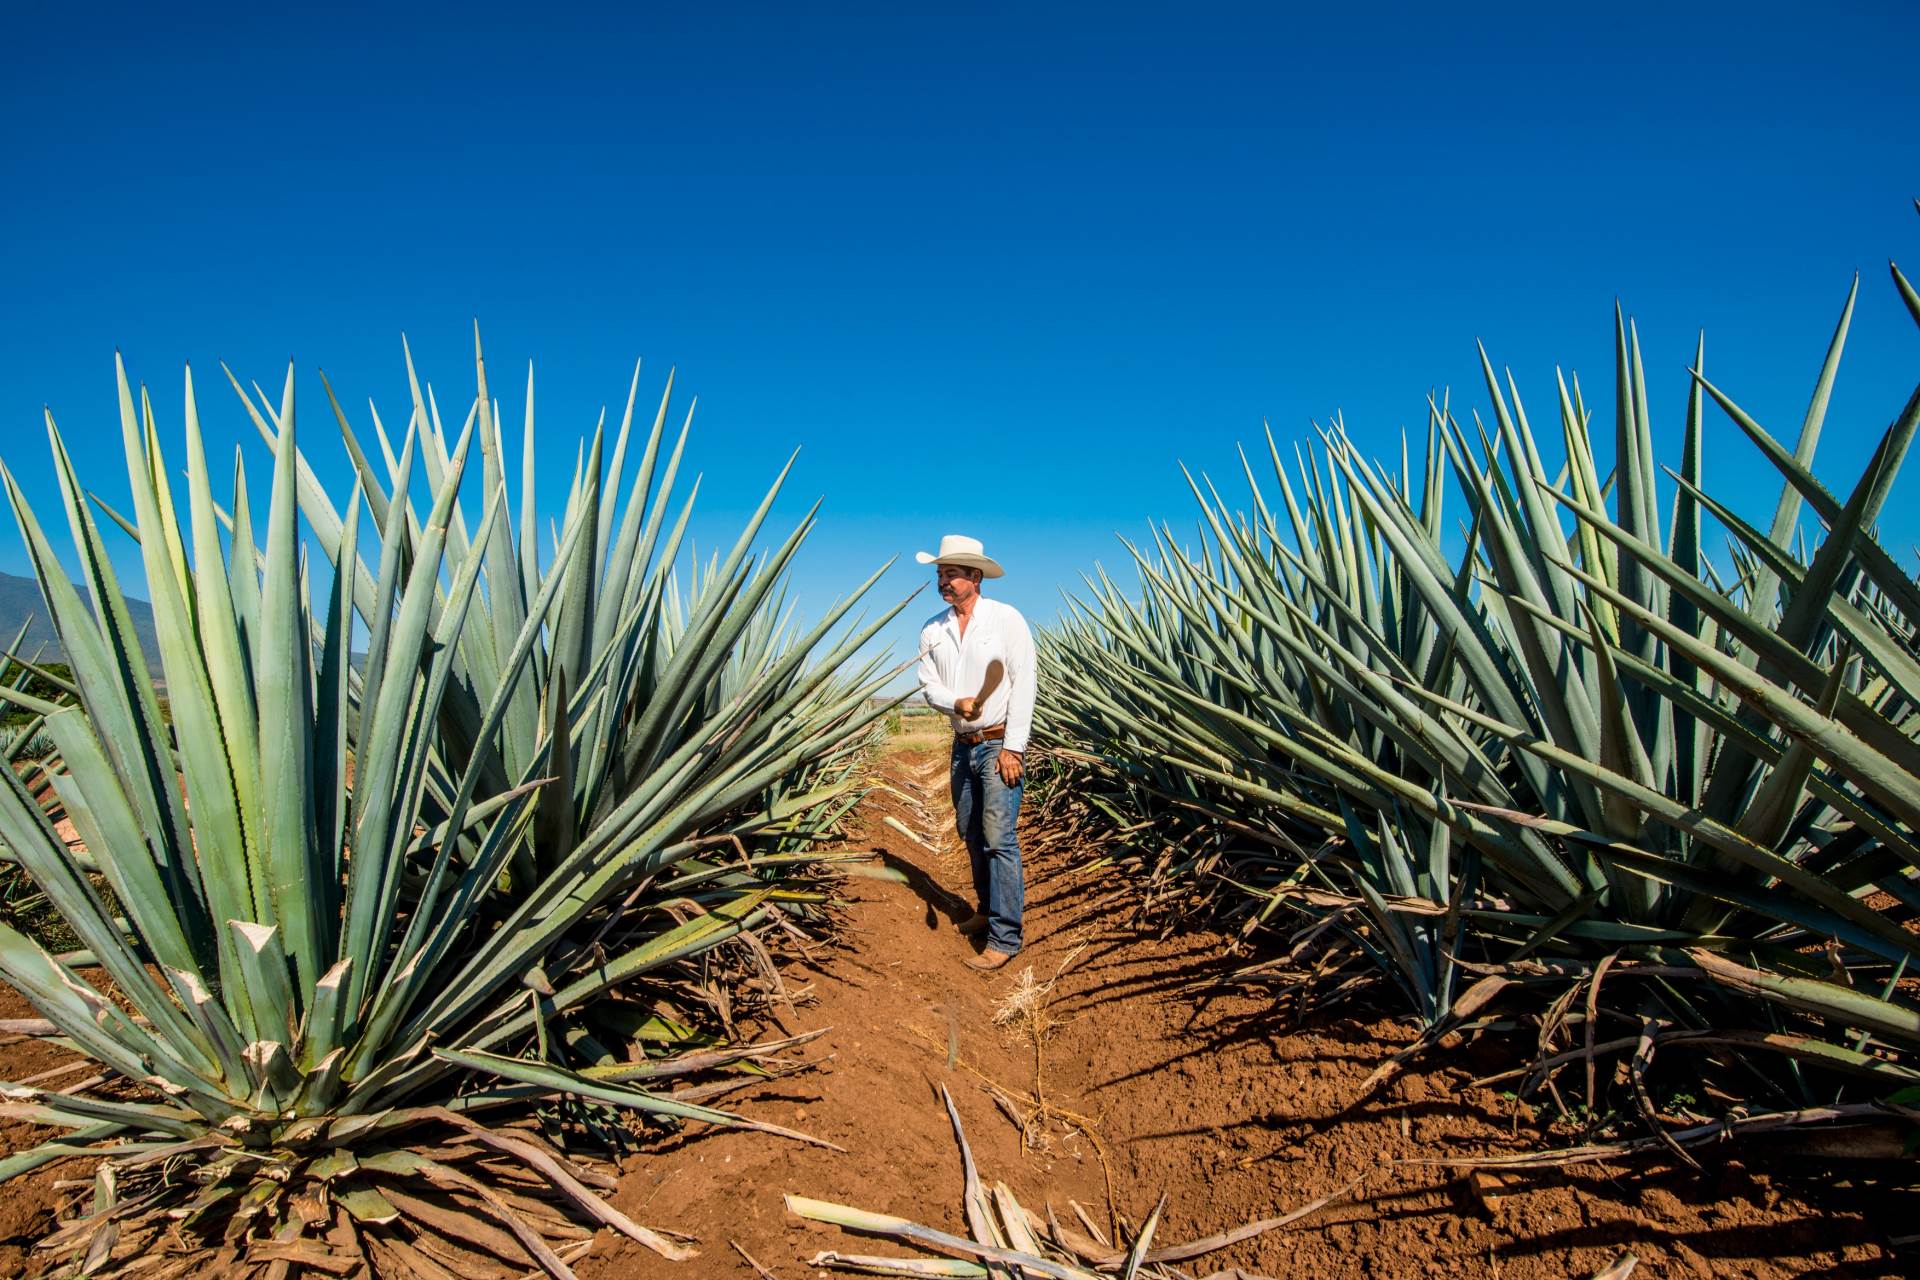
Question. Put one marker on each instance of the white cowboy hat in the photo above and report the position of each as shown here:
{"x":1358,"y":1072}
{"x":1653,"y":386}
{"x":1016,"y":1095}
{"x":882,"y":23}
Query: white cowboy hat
{"x":955,"y":549}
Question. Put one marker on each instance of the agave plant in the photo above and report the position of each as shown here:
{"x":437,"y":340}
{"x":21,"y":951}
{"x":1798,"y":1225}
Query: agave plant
{"x":354,"y":915}
{"x":24,"y":739}
{"x":623,"y":672}
{"x":1568,"y":736}
{"x":26,"y":744}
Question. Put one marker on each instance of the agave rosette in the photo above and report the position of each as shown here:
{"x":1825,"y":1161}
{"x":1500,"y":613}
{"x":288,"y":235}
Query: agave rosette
{"x":352,"y":905}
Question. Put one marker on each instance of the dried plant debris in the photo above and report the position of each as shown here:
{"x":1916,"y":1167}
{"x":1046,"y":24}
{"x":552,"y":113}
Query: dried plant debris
{"x":1006,"y":1239}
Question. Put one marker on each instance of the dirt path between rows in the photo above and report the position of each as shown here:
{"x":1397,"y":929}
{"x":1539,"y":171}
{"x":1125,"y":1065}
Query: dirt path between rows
{"x":1216,"y":1102}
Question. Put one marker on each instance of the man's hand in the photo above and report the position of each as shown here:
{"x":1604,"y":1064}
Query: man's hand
{"x":966,"y":708}
{"x":1012,"y":767}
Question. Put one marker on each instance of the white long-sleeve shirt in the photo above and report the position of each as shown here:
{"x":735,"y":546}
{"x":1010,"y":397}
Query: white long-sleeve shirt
{"x":953,"y":666}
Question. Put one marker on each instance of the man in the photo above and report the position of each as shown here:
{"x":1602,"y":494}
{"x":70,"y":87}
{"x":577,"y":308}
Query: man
{"x":976,"y":664}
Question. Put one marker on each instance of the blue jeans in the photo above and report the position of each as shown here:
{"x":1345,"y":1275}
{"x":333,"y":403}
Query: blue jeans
{"x":985,"y":810}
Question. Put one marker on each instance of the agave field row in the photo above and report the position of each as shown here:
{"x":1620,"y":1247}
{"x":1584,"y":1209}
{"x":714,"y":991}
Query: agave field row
{"x":1624,"y":779}
{"x":397,"y":875}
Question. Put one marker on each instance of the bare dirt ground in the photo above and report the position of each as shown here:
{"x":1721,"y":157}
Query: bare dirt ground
{"x":27,"y":1203}
{"x":1232,"y":1114}
{"x":1140,"y":1085}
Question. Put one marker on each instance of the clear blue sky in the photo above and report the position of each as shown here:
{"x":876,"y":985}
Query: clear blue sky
{"x":996,"y":270}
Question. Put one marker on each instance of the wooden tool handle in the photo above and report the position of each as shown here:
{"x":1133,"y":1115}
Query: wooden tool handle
{"x":994,"y":671}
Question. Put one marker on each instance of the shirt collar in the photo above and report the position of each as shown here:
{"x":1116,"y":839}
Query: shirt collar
{"x":982,"y":606}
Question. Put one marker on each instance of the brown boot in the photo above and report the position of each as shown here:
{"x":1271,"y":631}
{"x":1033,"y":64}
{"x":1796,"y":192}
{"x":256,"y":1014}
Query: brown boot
{"x":989,"y":960}
{"x":973,"y":926}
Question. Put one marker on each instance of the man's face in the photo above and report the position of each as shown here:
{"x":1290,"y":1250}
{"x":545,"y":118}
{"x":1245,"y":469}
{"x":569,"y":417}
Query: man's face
{"x":957,"y":584}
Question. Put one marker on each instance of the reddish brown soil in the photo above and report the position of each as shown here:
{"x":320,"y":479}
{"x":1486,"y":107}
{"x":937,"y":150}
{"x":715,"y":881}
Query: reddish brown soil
{"x":27,"y":1203}
{"x":1232,"y":1114}
{"x":1214,"y":1101}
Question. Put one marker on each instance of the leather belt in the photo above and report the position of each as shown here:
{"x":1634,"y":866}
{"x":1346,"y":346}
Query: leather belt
{"x":992,"y":733}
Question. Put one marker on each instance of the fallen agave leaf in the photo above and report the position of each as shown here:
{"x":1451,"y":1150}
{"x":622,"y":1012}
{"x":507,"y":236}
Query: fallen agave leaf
{"x":942,"y":1267}
{"x":1619,"y":1269}
{"x":908,"y":832}
{"x":1009,"y":1236}
{"x":882,"y":1224}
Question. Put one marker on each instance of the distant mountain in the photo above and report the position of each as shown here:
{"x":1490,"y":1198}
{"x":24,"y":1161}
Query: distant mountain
{"x":20,"y":600}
